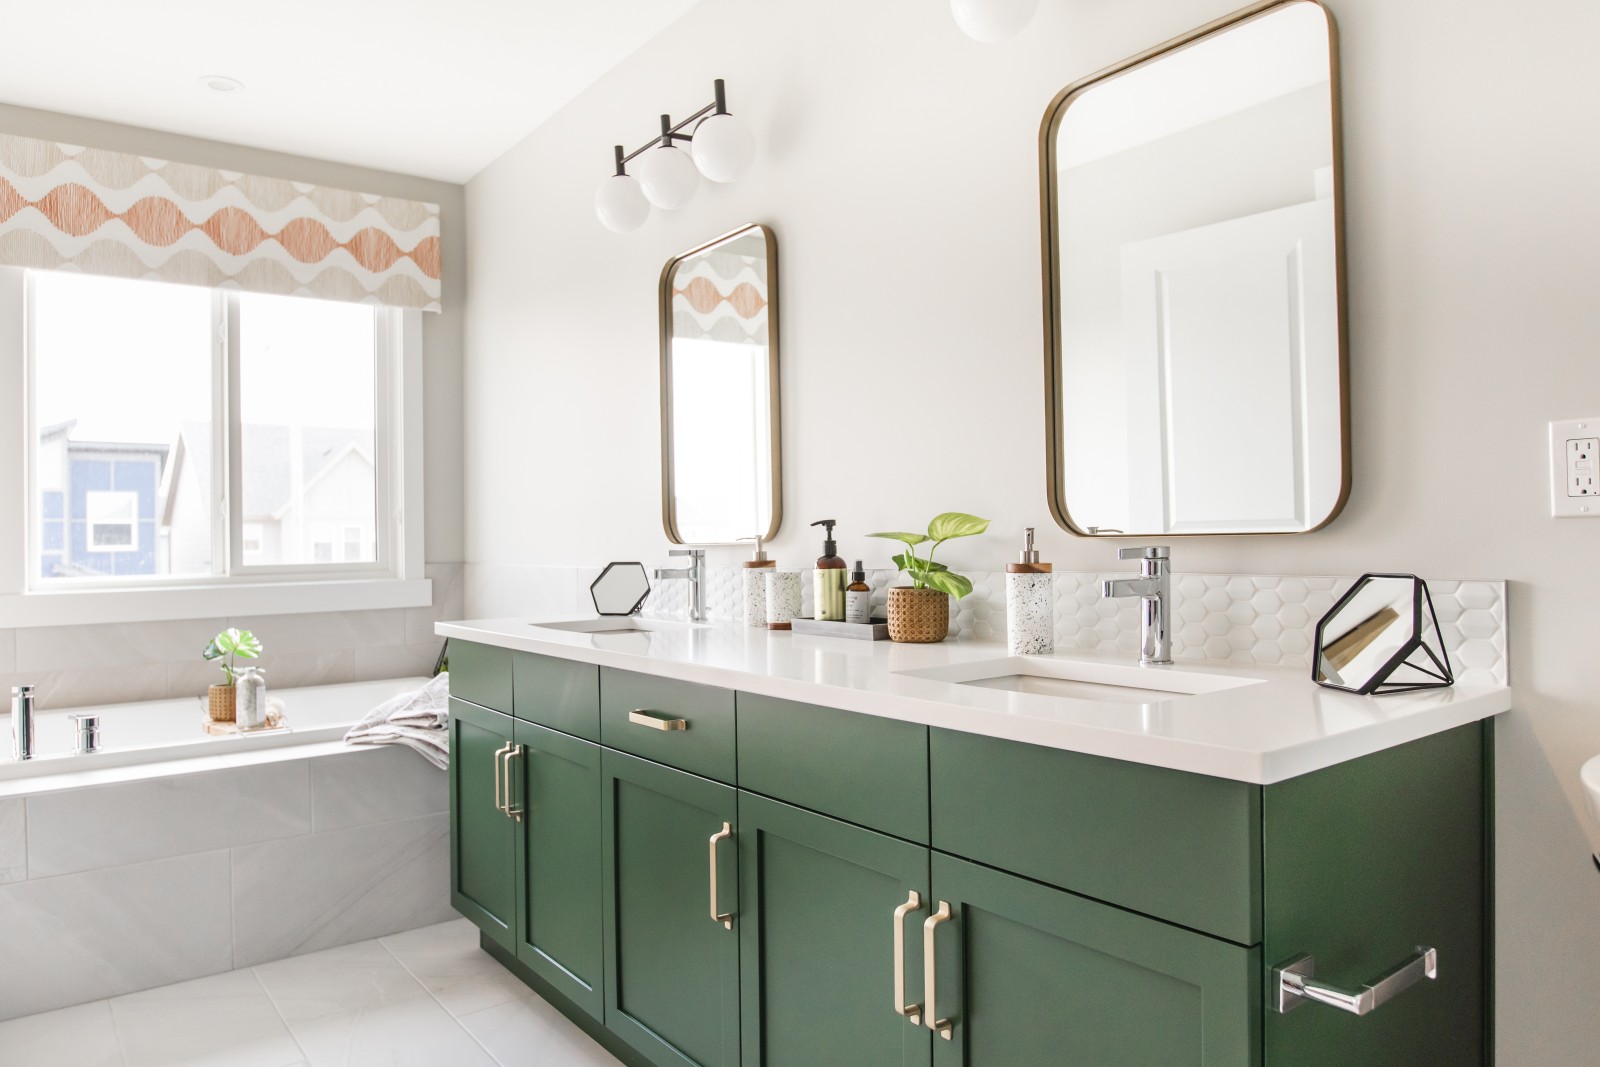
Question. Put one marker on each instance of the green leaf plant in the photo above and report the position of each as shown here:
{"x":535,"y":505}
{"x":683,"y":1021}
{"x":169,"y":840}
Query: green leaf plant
{"x":924,"y":572}
{"x":230,"y":646}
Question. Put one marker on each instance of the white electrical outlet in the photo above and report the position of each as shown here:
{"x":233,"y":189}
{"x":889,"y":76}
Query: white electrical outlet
{"x":1574,"y":468}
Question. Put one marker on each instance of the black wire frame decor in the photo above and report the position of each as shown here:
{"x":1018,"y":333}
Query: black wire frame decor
{"x":1428,"y":659}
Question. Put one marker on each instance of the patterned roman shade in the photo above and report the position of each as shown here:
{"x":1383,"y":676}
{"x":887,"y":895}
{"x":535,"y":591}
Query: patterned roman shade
{"x":63,"y":207}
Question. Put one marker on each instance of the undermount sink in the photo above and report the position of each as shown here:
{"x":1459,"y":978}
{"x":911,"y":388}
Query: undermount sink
{"x":614,"y":624}
{"x":1083,"y":679}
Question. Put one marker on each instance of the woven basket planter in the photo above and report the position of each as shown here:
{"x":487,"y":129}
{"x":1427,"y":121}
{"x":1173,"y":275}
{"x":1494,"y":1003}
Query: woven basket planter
{"x":221,"y":705}
{"x":918,"y":616}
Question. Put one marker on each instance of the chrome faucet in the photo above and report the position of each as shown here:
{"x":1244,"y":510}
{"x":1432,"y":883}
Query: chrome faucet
{"x":21,"y":722}
{"x":1153,"y":587}
{"x":695,"y":575}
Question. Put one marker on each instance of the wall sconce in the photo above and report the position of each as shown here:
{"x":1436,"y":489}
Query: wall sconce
{"x":992,"y":21}
{"x":720,"y":147}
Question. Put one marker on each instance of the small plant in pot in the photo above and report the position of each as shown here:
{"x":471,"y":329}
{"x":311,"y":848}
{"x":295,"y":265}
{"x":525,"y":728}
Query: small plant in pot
{"x":920,"y":612}
{"x":226,"y":650}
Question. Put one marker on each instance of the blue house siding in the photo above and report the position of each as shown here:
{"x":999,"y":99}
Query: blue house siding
{"x":65,"y":535}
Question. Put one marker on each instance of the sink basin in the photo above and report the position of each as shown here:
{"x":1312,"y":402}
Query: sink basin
{"x":1591,"y":786}
{"x":614,"y":624}
{"x":1083,"y":679}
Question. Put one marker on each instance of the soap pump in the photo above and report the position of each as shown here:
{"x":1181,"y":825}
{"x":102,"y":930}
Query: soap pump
{"x":1030,"y":605}
{"x":829,"y":579}
{"x":754,"y":575}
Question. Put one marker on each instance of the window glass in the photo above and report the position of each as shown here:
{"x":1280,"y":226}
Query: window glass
{"x":308,"y":465}
{"x":122,"y":402}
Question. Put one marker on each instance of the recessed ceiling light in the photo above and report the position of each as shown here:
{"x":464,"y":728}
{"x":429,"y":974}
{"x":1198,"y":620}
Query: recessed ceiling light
{"x":221,"y":83}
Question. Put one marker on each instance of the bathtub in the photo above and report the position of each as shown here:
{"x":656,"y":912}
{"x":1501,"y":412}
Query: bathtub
{"x":155,"y":731}
{"x":173,"y":854}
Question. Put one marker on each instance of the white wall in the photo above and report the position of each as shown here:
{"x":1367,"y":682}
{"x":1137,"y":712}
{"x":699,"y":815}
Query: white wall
{"x":899,"y":168}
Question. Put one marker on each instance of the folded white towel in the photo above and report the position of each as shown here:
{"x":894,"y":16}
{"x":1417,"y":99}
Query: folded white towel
{"x":419,"y":720}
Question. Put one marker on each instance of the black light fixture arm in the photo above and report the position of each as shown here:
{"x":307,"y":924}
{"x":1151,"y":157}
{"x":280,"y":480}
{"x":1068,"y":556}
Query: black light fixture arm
{"x":670,"y":133}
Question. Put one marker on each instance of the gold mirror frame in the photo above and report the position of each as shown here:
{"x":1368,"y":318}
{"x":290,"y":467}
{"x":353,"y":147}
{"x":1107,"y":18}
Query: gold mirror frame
{"x":664,"y":294}
{"x":1049,"y":219}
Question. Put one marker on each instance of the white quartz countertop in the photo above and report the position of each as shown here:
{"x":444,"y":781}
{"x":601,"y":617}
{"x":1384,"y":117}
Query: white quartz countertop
{"x":1279,"y":726}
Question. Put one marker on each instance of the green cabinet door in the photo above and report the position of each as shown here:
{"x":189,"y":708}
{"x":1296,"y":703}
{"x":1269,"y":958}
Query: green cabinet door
{"x":1030,"y":976}
{"x":818,"y":901}
{"x":483,"y":837}
{"x":556,"y":789}
{"x":671,"y":969}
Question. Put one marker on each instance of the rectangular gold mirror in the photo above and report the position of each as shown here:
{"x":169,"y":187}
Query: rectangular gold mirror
{"x":1194,"y":284}
{"x":720,"y":457}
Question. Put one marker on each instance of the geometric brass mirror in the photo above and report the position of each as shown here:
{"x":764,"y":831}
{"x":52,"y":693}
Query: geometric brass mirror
{"x":1194,"y":284}
{"x":1382,"y":637}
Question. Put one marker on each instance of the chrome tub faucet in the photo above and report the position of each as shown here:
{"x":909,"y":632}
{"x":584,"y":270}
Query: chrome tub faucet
{"x":1153,"y":587}
{"x":695,"y":575}
{"x":21,"y":722}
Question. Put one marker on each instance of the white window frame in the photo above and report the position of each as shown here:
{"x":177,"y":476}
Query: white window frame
{"x":395,"y":580}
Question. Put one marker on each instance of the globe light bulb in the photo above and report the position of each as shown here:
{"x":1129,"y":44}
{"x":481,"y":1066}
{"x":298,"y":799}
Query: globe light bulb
{"x":723,"y":148}
{"x":668,"y":177}
{"x":992,"y":21}
{"x":620,"y":203}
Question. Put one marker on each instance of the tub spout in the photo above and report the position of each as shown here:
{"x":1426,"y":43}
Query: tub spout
{"x":21,"y":722}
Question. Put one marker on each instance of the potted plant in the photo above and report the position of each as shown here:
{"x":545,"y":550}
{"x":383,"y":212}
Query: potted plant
{"x":226,"y":649}
{"x":920,"y":612}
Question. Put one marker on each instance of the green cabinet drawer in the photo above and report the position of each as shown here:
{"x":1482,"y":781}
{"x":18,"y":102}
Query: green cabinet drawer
{"x":1182,"y":847}
{"x":481,"y":674}
{"x":681,"y":724}
{"x":863,"y":769}
{"x":559,"y":693}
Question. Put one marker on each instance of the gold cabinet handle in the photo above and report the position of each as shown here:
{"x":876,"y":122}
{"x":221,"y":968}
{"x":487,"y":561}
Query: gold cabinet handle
{"x":723,"y":917}
{"x":641,"y":717}
{"x":910,"y":1011}
{"x":930,"y":976}
{"x":499,"y":791}
{"x":514,"y":812}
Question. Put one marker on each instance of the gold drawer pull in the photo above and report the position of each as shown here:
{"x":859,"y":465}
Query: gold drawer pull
{"x":641,"y":717}
{"x":512,"y":808}
{"x":909,"y":1011}
{"x":930,"y":973}
{"x":499,"y":790}
{"x":723,"y":917}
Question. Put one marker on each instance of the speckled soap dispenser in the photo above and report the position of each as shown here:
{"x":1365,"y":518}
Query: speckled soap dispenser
{"x":755,"y":584}
{"x":1030,"y":603}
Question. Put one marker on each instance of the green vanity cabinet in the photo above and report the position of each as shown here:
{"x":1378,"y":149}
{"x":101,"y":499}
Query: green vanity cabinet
{"x":819,"y":903}
{"x":555,"y":784}
{"x":1027,"y":974}
{"x":483,"y":840}
{"x":719,"y":882}
{"x":671,"y":897}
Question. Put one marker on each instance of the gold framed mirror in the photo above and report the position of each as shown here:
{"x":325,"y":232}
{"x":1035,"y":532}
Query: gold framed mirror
{"x":721,"y":457}
{"x":1195,"y":336}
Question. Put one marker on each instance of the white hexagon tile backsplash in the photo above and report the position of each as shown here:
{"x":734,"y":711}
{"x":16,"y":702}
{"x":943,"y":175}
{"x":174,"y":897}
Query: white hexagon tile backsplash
{"x":1264,"y":620}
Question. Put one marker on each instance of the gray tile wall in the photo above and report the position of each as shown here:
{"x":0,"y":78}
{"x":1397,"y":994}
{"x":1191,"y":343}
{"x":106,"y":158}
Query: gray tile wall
{"x":74,"y":666}
{"x":109,"y":889}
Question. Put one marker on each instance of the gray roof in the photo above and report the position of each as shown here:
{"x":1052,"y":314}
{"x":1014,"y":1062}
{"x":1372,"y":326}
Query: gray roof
{"x":266,"y":459}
